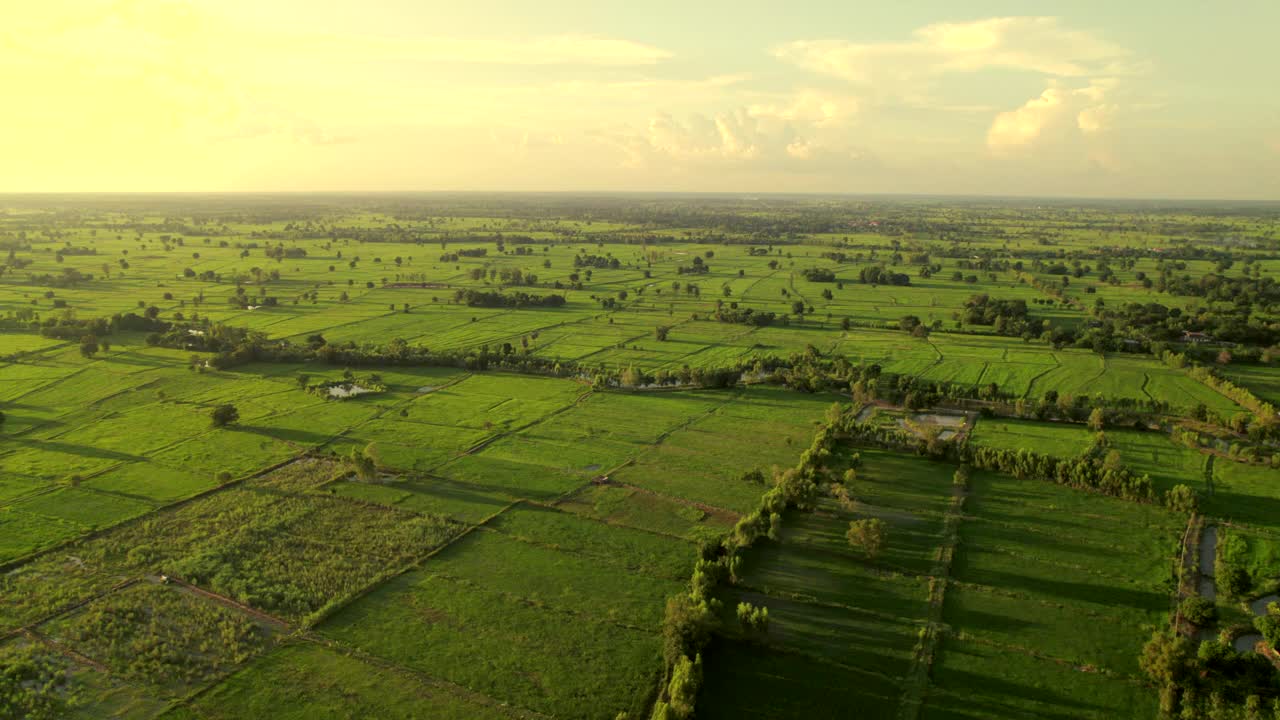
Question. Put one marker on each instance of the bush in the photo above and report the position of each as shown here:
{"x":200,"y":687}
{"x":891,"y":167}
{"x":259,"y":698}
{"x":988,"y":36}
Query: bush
{"x":224,"y":415}
{"x":1234,"y":581}
{"x":1181,"y":498}
{"x":1198,"y":611}
{"x":1269,"y":625}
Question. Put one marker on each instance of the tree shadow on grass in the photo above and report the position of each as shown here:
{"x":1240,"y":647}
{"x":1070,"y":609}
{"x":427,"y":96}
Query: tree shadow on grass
{"x":71,"y":449}
{"x":1260,"y":509}
{"x":291,"y":435}
{"x":1107,"y":595}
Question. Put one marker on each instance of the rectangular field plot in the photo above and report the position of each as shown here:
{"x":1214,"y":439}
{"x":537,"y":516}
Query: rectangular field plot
{"x":541,"y":659}
{"x":1036,"y":560}
{"x":638,"y":551}
{"x":1263,"y":381}
{"x":261,"y":543}
{"x":633,"y":507}
{"x":973,"y":680}
{"x":65,"y":688}
{"x":152,"y":482}
{"x":164,"y":638}
{"x":1149,"y":452}
{"x":23,"y":533}
{"x":751,"y":681}
{"x":525,"y":467}
{"x":555,"y":579}
{"x":1245,"y":493}
{"x":834,"y":612}
{"x":304,"y":681}
{"x":84,"y":507}
{"x":430,"y":495}
{"x":702,"y":462}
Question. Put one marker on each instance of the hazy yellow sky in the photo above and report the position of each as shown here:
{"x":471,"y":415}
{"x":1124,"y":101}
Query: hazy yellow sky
{"x":1167,"y":99}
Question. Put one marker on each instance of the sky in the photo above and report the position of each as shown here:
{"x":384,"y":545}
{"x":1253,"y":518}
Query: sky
{"x":1170,"y":99}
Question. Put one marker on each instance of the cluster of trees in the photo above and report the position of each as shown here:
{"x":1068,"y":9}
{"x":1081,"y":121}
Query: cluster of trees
{"x":1108,"y":477}
{"x":697,"y":267}
{"x":1211,"y":681}
{"x":744,"y":316}
{"x":1148,"y":324}
{"x":818,"y":275}
{"x":69,"y":277}
{"x":468,"y":252}
{"x":879,"y":275}
{"x":480,"y":298}
{"x":1244,"y":290}
{"x":280,"y":252}
{"x":596,"y":261}
{"x":66,"y":326}
{"x":752,"y":618}
{"x":1007,"y":317}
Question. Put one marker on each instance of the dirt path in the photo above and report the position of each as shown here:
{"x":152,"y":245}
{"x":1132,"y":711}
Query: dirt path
{"x":918,"y":681}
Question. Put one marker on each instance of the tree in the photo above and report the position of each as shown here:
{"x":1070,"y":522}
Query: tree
{"x":686,"y":627}
{"x":1166,"y":658}
{"x":682,"y":691}
{"x":1197,"y":611}
{"x":89,"y":346}
{"x":365,"y":462}
{"x":1113,"y":461}
{"x":870,"y":535}
{"x":1097,"y":420}
{"x":1233,"y":580}
{"x":1181,"y":498}
{"x":753,"y":619}
{"x":1269,"y":625}
{"x":224,"y":415}
{"x":661,"y":332}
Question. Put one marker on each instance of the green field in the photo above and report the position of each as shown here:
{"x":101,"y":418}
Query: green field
{"x":492,"y":524}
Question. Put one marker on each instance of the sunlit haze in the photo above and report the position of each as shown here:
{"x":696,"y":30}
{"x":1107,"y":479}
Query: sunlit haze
{"x":1099,"y":99}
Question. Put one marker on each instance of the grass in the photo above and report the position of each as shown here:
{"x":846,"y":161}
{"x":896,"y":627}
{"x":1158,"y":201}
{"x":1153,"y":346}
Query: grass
{"x":553,"y":606}
{"x":1068,"y":576}
{"x":529,"y":657}
{"x":974,"y":680}
{"x":305,"y":680}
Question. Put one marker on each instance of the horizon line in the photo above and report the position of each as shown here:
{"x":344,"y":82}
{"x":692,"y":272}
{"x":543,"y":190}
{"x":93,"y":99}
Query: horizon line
{"x":624,"y":193}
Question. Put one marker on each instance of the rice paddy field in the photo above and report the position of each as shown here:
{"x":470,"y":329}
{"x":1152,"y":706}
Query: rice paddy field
{"x":1048,"y":592}
{"x":508,"y":547}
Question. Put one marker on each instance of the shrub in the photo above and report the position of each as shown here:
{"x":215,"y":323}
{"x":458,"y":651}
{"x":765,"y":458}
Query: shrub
{"x":224,"y":415}
{"x":1198,"y":611}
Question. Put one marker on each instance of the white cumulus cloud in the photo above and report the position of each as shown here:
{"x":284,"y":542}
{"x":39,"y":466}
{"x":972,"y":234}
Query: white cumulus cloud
{"x":1058,"y":111}
{"x":1036,"y":44}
